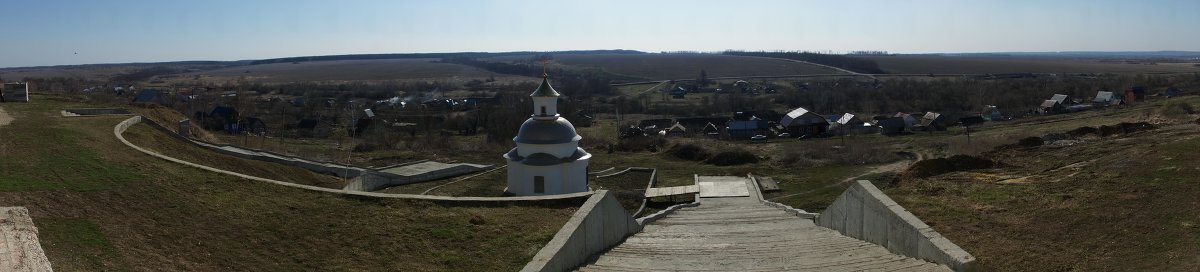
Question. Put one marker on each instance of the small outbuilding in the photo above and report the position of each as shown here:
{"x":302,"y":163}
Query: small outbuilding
{"x":932,"y":121}
{"x":991,"y":113}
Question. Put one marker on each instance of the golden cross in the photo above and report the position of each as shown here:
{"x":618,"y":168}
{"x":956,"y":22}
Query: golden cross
{"x":544,"y":63}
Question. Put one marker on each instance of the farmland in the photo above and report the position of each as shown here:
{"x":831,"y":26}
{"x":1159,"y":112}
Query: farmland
{"x":684,"y":66}
{"x":923,"y":64}
{"x":348,"y":70}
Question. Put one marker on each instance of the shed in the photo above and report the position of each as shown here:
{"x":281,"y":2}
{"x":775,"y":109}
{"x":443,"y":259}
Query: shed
{"x":1104,"y":98}
{"x":933,"y":121}
{"x":711,"y":130}
{"x":971,"y":120}
{"x":1171,"y":92}
{"x":991,"y":113}
{"x":746,"y":129}
{"x":909,"y":120}
{"x":801,"y":121}
{"x":149,"y":96}
{"x":698,"y":124}
{"x":253,"y":125}
{"x":654,"y":126}
{"x":677,"y":130}
{"x":891,"y":126}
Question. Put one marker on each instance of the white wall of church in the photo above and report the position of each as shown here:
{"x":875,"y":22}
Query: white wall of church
{"x":549,"y":102}
{"x":558,"y":150}
{"x":559,"y":179}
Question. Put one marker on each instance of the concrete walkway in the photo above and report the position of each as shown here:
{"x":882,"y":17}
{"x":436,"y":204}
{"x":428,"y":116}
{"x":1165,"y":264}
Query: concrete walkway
{"x":5,"y":119}
{"x":742,"y":234}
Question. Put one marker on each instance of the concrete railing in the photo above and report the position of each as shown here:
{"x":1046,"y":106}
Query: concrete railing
{"x":600,"y":224}
{"x":121,"y":127}
{"x":794,"y":211}
{"x":864,"y":212}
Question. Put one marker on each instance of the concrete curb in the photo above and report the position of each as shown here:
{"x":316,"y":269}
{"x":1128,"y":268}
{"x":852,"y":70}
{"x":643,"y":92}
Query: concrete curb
{"x":22,"y":250}
{"x":866,"y":213}
{"x":794,"y":211}
{"x":120,"y":128}
{"x":599,"y":225}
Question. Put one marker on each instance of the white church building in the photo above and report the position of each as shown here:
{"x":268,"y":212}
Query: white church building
{"x":547,"y":159}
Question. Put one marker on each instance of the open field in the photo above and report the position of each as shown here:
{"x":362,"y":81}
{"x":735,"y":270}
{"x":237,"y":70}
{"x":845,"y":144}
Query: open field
{"x":684,"y":66}
{"x":923,"y":64}
{"x":102,"y":206}
{"x":349,"y":70}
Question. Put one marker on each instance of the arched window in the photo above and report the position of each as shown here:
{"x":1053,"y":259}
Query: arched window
{"x":543,"y":110}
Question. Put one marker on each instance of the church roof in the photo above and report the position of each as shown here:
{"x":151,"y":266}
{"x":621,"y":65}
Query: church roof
{"x":557,"y":131}
{"x":545,"y":89}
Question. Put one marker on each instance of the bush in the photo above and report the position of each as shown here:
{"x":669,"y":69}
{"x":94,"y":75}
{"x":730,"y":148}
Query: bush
{"x":1176,"y":108}
{"x":689,"y":151}
{"x":933,"y":167}
{"x":735,"y":156}
{"x":854,"y":152}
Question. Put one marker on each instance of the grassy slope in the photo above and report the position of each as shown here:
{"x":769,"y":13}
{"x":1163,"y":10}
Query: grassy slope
{"x":103,"y":206}
{"x":1122,"y":202}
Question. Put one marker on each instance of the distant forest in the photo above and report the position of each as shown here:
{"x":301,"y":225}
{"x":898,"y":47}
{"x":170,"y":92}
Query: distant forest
{"x":436,"y":55}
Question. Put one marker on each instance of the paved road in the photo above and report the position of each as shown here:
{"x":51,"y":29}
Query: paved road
{"x":742,"y":234}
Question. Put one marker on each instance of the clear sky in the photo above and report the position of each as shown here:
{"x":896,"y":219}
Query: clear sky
{"x":53,"y":32}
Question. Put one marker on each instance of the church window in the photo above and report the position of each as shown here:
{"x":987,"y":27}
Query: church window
{"x":539,"y":184}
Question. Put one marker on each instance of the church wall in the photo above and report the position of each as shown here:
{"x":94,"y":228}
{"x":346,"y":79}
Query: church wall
{"x":558,"y":150}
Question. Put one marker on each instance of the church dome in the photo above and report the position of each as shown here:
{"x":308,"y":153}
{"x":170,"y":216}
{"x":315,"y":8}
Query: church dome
{"x":557,"y":131}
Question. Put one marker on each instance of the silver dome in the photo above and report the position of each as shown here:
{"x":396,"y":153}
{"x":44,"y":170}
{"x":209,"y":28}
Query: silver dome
{"x":534,"y":131}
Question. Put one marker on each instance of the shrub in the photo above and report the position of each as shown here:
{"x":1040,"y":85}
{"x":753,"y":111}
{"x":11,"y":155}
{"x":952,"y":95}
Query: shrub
{"x":933,"y":167}
{"x":1176,"y":108}
{"x":689,"y":151}
{"x":735,"y":156}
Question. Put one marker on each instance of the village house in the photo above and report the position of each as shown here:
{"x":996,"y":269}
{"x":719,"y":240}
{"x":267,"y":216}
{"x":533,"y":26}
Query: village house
{"x":677,"y":130}
{"x":932,"y":121}
{"x":802,"y":122}
{"x":1104,"y":99}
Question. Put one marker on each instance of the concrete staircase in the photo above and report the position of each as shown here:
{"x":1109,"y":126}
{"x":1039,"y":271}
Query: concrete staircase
{"x":742,"y":234}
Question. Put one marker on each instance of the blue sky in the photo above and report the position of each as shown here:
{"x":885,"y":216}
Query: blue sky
{"x":51,"y":32}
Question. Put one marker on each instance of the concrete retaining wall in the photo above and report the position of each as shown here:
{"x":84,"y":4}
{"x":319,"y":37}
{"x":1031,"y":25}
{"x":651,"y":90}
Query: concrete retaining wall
{"x":121,"y":127}
{"x":600,"y":224}
{"x":375,"y":180}
{"x":864,"y":212}
{"x":20,"y":249}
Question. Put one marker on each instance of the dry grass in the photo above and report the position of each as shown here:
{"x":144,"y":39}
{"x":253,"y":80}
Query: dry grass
{"x":146,"y":214}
